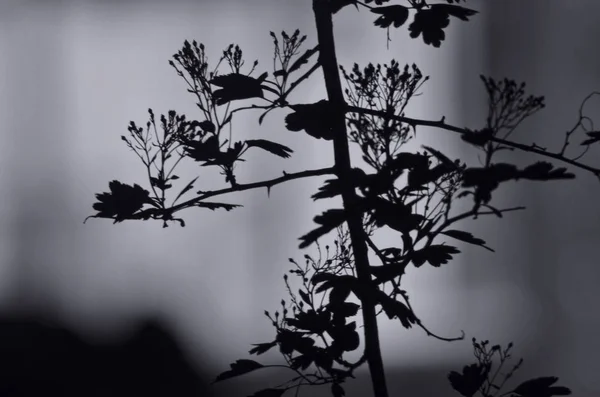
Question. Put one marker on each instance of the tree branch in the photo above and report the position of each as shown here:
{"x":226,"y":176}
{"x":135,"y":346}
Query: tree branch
{"x":329,"y":65}
{"x":240,"y":187}
{"x":533,"y":148}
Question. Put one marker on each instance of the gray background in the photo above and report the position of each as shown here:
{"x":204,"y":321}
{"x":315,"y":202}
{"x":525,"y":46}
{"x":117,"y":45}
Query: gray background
{"x":74,"y":73}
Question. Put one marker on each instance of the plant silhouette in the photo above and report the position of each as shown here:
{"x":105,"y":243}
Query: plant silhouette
{"x":42,"y":357}
{"x":317,"y":327}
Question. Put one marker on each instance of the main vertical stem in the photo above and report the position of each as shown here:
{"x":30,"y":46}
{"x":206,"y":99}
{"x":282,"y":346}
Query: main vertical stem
{"x":329,"y":65}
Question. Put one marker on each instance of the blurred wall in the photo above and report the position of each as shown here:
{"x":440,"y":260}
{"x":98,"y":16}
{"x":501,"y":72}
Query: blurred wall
{"x":75,"y":72}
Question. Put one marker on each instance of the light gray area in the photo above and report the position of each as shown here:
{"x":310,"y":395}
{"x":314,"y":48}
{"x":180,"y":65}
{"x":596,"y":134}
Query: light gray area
{"x":75,"y":72}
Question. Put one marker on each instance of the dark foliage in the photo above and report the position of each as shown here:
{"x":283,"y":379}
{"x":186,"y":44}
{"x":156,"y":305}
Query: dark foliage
{"x":479,"y":377}
{"x":413,"y":194}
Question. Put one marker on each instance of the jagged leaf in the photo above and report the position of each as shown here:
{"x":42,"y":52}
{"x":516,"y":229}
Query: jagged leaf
{"x":436,"y":255}
{"x":471,"y":379}
{"x":395,"y":14}
{"x":214,"y":206}
{"x":541,"y":387}
{"x":594,"y":136}
{"x":328,"y":220}
{"x":121,"y":202}
{"x":292,"y":340}
{"x":467,"y":238}
{"x":333,"y":187}
{"x":302,"y":361}
{"x":207,"y":126}
{"x":240,"y":367}
{"x":261,"y":348}
{"x":302,"y":59}
{"x":304,"y":296}
{"x":186,"y":189}
{"x":394,"y":308}
{"x":544,"y":171}
{"x":345,"y":337}
{"x":310,"y":321}
{"x":397,"y":216}
{"x":202,"y":150}
{"x":431,"y":22}
{"x":314,"y":118}
{"x":236,"y":86}
{"x":478,"y":138}
{"x":271,"y":147}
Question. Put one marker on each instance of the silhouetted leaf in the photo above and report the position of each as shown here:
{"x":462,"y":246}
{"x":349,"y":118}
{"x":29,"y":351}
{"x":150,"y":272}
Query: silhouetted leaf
{"x":420,"y":173}
{"x":392,"y":253}
{"x":337,"y":390}
{"x":377,"y":2}
{"x":487,"y":179}
{"x":345,"y":337}
{"x":240,"y":367}
{"x":328,"y":220}
{"x":333,"y":187}
{"x":207,"y":126}
{"x":304,"y":296}
{"x":186,"y":189}
{"x":466,"y":237}
{"x":214,"y":206}
{"x":236,"y":86}
{"x":313,"y":118}
{"x":330,"y":188}
{"x":202,"y":150}
{"x":310,"y":321}
{"x":269,"y":393}
{"x":323,"y":360}
{"x":436,"y":255}
{"x":394,"y":308}
{"x":121,"y":202}
{"x":291,"y":340}
{"x":471,"y":379}
{"x":346,"y":309}
{"x":442,"y":158}
{"x":432,"y":22}
{"x":322,"y":277}
{"x":386,"y":273}
{"x":262,"y":116}
{"x":544,"y":171}
{"x":478,"y":138}
{"x":303,"y":59}
{"x":339,"y":294}
{"x":541,"y":387}
{"x":395,"y":215}
{"x":302,"y":361}
{"x":324,"y":287}
{"x":395,"y":14}
{"x":594,"y":136}
{"x":272,"y":147}
{"x":459,"y":12}
{"x":262,"y":348}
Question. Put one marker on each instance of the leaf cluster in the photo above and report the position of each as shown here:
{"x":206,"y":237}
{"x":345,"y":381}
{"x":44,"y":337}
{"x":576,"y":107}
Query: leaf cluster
{"x":479,"y":377}
{"x":387,"y":89}
{"x":429,"y":20}
{"x":314,"y":330}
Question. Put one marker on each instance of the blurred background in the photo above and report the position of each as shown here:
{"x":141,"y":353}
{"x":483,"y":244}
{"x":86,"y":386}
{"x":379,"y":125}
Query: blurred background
{"x":74,"y":73}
